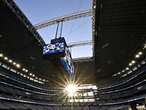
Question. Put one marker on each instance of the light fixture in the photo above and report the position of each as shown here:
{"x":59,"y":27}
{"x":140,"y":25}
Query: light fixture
{"x":31,"y":79}
{"x":21,"y":74}
{"x":24,"y":76}
{"x":119,"y":73}
{"x":26,"y":70}
{"x":140,"y":53}
{"x":23,"y":69}
{"x":114,"y":75}
{"x":135,"y":68}
{"x":127,"y":68}
{"x":5,"y":58}
{"x":18,"y":65}
{"x":130,"y":64}
{"x":40,"y":78}
{"x":124,"y":75}
{"x":71,"y":89}
{"x":14,"y":63}
{"x":30,"y":74}
{"x":123,"y":71}
{"x":133,"y":61}
{"x":1,"y":55}
{"x":129,"y":72}
{"x":137,"y":56}
{"x":10,"y":61}
{"x":33,"y":75}
{"x":44,"y":80}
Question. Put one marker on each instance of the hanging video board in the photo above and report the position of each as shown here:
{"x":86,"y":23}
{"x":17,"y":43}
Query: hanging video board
{"x":58,"y":49}
{"x":55,"y":49}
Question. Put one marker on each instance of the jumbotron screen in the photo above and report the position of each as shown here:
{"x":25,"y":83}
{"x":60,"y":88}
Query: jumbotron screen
{"x":58,"y":49}
{"x":67,"y":62}
{"x":54,"y":49}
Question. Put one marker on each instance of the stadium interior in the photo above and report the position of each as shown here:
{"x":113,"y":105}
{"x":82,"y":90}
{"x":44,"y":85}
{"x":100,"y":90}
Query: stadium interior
{"x":113,"y":79}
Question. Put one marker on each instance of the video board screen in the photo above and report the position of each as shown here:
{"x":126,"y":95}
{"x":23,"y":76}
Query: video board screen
{"x":58,"y":49}
{"x":55,"y":48}
{"x":51,"y":49}
{"x":67,"y":62}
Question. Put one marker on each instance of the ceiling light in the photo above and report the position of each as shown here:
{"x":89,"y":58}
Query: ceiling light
{"x":23,"y":69}
{"x":130,"y":64}
{"x":33,"y":75}
{"x":129,"y":72}
{"x":140,"y":53}
{"x":40,"y":82}
{"x":14,"y":63}
{"x":21,"y":74}
{"x":132,"y":61}
{"x":18,"y":65}
{"x":135,"y":68}
{"x":119,"y":73}
{"x":31,"y":79}
{"x":40,"y":78}
{"x":10,"y":61}
{"x":127,"y":68}
{"x":30,"y":74}
{"x":124,"y":75}
{"x":137,"y":56}
{"x":26,"y":70}
{"x":36,"y":77}
{"x":114,"y":75}
{"x":123,"y":71}
{"x":5,"y":58}
{"x":1,"y":55}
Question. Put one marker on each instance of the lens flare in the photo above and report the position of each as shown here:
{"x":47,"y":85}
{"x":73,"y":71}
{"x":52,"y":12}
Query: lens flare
{"x":71,"y":90}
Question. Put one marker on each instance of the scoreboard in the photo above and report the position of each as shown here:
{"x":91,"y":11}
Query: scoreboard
{"x":55,"y":49}
{"x":59,"y":50}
